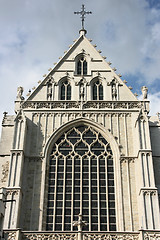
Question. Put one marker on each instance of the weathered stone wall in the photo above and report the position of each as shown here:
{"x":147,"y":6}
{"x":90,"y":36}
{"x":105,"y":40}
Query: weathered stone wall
{"x":5,"y":147}
{"x":41,"y":126}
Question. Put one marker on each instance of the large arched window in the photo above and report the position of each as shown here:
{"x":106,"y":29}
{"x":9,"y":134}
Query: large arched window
{"x":81,"y":180}
{"x":82,"y":66}
{"x":97,"y":90}
{"x":65,"y":93}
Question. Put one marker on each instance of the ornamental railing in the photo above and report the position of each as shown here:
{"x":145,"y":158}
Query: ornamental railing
{"x":151,"y":235}
{"x":110,"y":236}
{"x":29,"y":235}
{"x":107,"y":105}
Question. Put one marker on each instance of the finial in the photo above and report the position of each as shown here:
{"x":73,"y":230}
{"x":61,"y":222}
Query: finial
{"x":83,"y":13}
{"x":5,"y":114}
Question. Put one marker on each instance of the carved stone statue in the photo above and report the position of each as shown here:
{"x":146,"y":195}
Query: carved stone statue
{"x":49,"y":94}
{"x":19,"y":93}
{"x":144,"y":92}
{"x":114,"y":92}
{"x":81,"y":92}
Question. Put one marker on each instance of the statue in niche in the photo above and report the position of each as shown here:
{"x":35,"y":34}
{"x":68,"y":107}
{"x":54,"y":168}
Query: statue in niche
{"x":49,"y":94}
{"x":144,"y":92}
{"x":81,"y":91}
{"x":114,"y":92}
{"x":19,"y":93}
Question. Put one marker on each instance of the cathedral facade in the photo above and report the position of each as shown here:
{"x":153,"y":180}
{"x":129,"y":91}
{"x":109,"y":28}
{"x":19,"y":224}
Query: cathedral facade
{"x":80,"y":159}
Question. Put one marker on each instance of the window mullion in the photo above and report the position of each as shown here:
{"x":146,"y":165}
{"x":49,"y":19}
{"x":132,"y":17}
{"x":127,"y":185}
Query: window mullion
{"x":81,"y":187}
{"x":90,"y":192}
{"x":107,"y":205}
{"x":65,"y":97}
{"x":98,"y":193}
{"x":98,"y":92}
{"x":55,"y":194}
{"x":64,"y":183}
{"x":72,"y":203}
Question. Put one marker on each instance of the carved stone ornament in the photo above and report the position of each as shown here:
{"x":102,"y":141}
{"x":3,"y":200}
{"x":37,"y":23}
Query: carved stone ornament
{"x":134,"y":105}
{"x":127,"y":159}
{"x":152,"y":235}
{"x":110,"y":236}
{"x":149,"y":192}
{"x":144,"y":92}
{"x":82,"y":80}
{"x":76,"y":104}
{"x":105,"y":105}
{"x":5,"y":170}
{"x":49,"y":235}
{"x":120,"y":105}
{"x":19,"y":93}
{"x":29,"y":105}
{"x":10,"y":235}
{"x":43,"y":105}
{"x":12,"y":191}
{"x":90,"y":105}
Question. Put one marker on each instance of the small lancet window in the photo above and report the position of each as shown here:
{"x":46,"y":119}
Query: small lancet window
{"x":82,"y":66}
{"x":65,"y":91}
{"x":97,"y":90}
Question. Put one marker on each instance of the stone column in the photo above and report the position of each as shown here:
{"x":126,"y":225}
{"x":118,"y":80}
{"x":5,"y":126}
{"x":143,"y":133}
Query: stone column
{"x":148,"y":194}
{"x":14,"y":192}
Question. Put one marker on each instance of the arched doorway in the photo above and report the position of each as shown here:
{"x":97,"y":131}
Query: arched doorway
{"x":81,"y":180}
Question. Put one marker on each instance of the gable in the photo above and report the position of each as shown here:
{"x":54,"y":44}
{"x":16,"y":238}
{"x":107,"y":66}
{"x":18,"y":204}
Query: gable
{"x":97,"y":67}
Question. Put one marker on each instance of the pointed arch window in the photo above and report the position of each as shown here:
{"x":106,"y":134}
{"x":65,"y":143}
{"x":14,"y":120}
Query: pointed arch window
{"x":65,"y":91}
{"x":82,"y":66}
{"x":81,"y":179}
{"x":97,"y":90}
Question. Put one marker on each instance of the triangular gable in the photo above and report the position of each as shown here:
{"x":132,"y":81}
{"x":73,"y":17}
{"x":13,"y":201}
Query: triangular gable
{"x":66,"y":67}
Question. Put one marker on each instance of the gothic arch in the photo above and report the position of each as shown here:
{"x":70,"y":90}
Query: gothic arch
{"x":65,"y":88}
{"x":97,"y":88}
{"x":82,"y":64}
{"x":106,"y":135}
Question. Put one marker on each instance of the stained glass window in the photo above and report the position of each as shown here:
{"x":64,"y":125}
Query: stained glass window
{"x":82,"y":66}
{"x":65,"y":91}
{"x":81,"y":179}
{"x":97,"y":90}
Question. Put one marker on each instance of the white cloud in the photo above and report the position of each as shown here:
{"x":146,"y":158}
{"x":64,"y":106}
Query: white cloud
{"x":154,"y":103}
{"x":35,"y":33}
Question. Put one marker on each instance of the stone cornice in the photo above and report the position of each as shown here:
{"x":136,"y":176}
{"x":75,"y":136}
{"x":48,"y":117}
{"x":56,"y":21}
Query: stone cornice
{"x":148,"y":190}
{"x":144,"y":151}
{"x":17,"y":151}
{"x":127,"y":159}
{"x":13,"y":190}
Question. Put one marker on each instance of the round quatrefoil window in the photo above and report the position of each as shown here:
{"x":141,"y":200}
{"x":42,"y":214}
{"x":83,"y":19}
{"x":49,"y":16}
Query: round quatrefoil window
{"x":81,"y":180}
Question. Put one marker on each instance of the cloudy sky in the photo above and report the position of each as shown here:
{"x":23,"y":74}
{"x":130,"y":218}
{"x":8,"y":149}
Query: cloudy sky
{"x":34,"y":34}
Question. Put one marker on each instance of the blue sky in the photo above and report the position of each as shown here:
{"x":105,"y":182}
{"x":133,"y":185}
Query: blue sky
{"x":34,"y":34}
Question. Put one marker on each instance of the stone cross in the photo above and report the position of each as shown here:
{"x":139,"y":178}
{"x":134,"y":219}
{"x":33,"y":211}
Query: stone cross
{"x":83,"y":13}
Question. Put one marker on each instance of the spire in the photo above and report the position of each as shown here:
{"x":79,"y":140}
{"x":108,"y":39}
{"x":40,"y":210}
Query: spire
{"x":83,"y":13}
